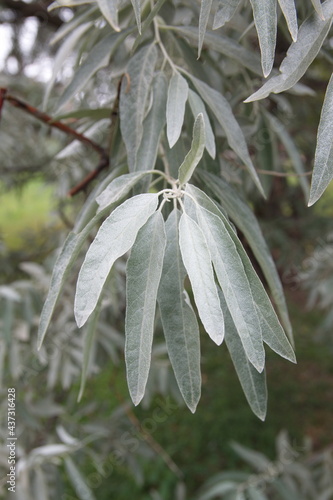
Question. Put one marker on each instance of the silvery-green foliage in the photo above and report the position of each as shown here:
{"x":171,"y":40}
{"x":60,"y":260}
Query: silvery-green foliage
{"x":183,"y":253}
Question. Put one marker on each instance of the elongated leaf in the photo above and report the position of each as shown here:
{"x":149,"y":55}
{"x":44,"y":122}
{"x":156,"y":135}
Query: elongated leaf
{"x":143,"y":275}
{"x":265,"y":19}
{"x":193,"y":157}
{"x":226,"y":46}
{"x":300,"y":55}
{"x":318,"y":8}
{"x":223,"y":112}
{"x":118,"y":189}
{"x":323,"y":164}
{"x":252,"y":382}
{"x":152,"y":14}
{"x":79,"y":484}
{"x":197,"y":261}
{"x":179,"y":322}
{"x":288,"y":8}
{"x":197,"y":107}
{"x":205,"y":8}
{"x":225,"y":11}
{"x":245,"y":220}
{"x":133,"y":99}
{"x":114,"y":238}
{"x":64,"y":51}
{"x":109,"y":9}
{"x":292,"y":151}
{"x":98,"y":58}
{"x":67,"y":256}
{"x":255,"y":459}
{"x":153,"y":126}
{"x":137,"y":11}
{"x":252,"y":297}
{"x":68,"y":27}
{"x":175,"y":111}
{"x":233,"y":280}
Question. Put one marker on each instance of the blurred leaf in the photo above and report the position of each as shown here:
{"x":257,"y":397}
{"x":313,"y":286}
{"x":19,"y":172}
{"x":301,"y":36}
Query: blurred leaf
{"x":114,"y":238}
{"x":318,"y":8}
{"x":300,"y":54}
{"x":323,"y":164}
{"x":179,"y":321}
{"x":205,"y":8}
{"x":197,"y":261}
{"x":79,"y":484}
{"x":193,"y":157}
{"x":143,"y":274}
{"x":197,"y":107}
{"x":133,"y":99}
{"x":257,"y":460}
{"x":137,"y":11}
{"x":225,"y":11}
{"x":175,"y":110}
{"x":109,"y":9}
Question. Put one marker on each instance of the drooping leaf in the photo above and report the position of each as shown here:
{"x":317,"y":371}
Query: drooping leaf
{"x":152,"y":14}
{"x":255,"y":459}
{"x":64,"y":51}
{"x":243,"y":217}
{"x":225,"y":11}
{"x":226,"y":46}
{"x":114,"y":238}
{"x":265,"y":19}
{"x":223,"y":112}
{"x":197,"y":261}
{"x":292,"y":150}
{"x":193,"y":157}
{"x":300,"y":55}
{"x":323,"y":164}
{"x":245,"y":283}
{"x":68,"y":27}
{"x":143,"y":275}
{"x":153,"y":126}
{"x":197,"y":107}
{"x":179,"y":322}
{"x":109,"y":9}
{"x":205,"y":8}
{"x":318,"y":8}
{"x":252,"y":382}
{"x":78,"y":481}
{"x":133,"y":99}
{"x":137,"y":11}
{"x":232,"y":279}
{"x":98,"y":58}
{"x":175,"y":110}
{"x":118,"y":189}
{"x":288,"y":8}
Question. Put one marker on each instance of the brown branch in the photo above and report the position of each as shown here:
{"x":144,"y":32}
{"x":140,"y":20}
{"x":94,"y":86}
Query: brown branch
{"x":34,"y":9}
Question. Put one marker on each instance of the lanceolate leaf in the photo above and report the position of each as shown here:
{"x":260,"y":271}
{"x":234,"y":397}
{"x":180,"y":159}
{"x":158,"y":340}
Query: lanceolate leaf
{"x":179,"y":321}
{"x":153,"y":125}
{"x":137,"y":11}
{"x":97,"y":59}
{"x":243,"y":217}
{"x":318,"y":8}
{"x":252,"y":382}
{"x":225,"y":11}
{"x":323,"y":165}
{"x":288,"y":8}
{"x":265,"y":19}
{"x":197,"y":107}
{"x":206,"y":5}
{"x":114,"y":238}
{"x":232,"y":278}
{"x":175,"y":111}
{"x":143,"y":275}
{"x":197,"y":261}
{"x":109,"y":9}
{"x":300,"y":55}
{"x":193,"y":157}
{"x":256,"y":300}
{"x":133,"y":99}
{"x":223,"y":112}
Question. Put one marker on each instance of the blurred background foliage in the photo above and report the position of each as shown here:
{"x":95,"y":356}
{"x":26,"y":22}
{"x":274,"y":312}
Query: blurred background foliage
{"x":123,"y":450}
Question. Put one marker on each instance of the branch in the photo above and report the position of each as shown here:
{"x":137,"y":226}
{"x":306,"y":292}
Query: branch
{"x":34,"y":9}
